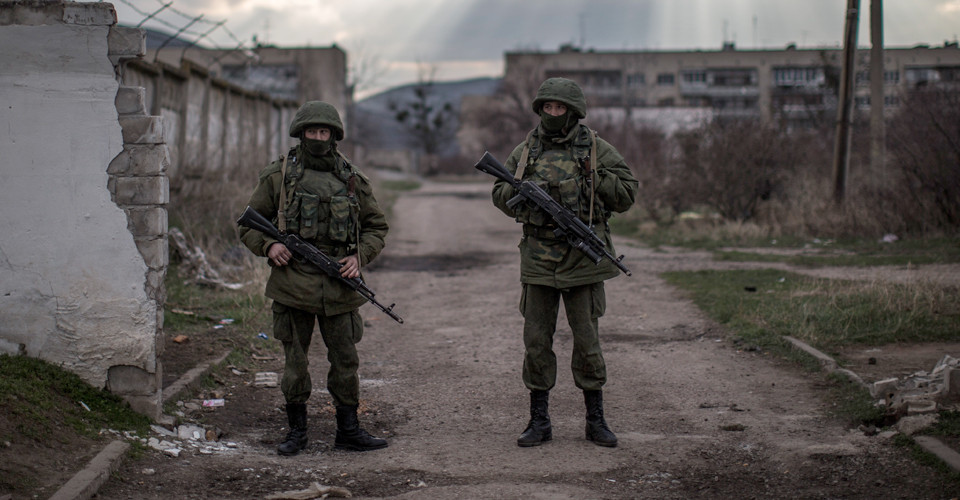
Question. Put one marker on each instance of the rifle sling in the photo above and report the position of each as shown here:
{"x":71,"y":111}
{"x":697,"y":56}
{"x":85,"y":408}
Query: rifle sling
{"x":281,"y":214}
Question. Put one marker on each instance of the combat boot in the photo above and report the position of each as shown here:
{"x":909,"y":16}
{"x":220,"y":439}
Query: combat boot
{"x":596,"y":428}
{"x":296,"y":439}
{"x":538,"y":430}
{"x":349,"y":434}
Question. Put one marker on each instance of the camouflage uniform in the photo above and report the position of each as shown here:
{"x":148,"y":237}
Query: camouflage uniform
{"x":331,"y":205}
{"x":550,"y":269}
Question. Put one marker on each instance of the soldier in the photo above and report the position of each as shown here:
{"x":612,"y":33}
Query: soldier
{"x":587,"y":175}
{"x":315,"y":192}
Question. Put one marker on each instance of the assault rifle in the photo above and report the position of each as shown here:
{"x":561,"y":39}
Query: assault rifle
{"x":252,"y":219}
{"x":569,"y":226}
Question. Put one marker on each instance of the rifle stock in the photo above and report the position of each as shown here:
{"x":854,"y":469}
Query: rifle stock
{"x":569,"y":226}
{"x":252,"y":219}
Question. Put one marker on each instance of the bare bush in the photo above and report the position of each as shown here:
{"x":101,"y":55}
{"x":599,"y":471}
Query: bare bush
{"x":732,"y":166}
{"x":924,"y":148}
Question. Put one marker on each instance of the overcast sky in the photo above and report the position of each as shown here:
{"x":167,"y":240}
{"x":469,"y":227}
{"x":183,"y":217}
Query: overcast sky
{"x":467,"y":38}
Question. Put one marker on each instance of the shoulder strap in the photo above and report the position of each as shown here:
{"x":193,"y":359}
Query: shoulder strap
{"x":522,"y":164}
{"x":351,"y":192}
{"x":590,"y":172}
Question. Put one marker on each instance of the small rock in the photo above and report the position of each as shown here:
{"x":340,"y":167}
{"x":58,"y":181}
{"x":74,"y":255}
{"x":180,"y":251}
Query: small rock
{"x":915,"y":423}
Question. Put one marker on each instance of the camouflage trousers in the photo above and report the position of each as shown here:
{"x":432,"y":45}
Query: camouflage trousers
{"x":584,"y":305}
{"x":294,"y":328}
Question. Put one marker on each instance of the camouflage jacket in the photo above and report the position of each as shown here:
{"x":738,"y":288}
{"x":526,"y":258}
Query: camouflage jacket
{"x":322,"y":211}
{"x":544,"y":259}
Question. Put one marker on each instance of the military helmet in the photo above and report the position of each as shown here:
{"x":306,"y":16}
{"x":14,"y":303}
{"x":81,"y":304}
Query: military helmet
{"x":561,"y":90}
{"x":317,"y":114}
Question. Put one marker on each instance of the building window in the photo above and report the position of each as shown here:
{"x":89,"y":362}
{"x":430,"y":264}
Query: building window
{"x":734,"y":78}
{"x":891,"y":77}
{"x":666,"y":103}
{"x":891,"y":101}
{"x":665,"y":79}
{"x":636,"y":80}
{"x":950,"y":73}
{"x":695,"y":77}
{"x":922,"y":75}
{"x":793,"y":76}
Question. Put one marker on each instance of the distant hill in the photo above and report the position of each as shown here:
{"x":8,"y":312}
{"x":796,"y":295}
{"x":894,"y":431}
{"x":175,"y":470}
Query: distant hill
{"x":378,"y":124}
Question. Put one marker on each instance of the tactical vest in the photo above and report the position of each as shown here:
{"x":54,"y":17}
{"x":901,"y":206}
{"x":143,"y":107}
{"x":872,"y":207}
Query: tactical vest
{"x":566,"y":174}
{"x":322,"y":207}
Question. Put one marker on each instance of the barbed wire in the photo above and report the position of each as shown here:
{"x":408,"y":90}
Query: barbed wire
{"x":183,"y":31}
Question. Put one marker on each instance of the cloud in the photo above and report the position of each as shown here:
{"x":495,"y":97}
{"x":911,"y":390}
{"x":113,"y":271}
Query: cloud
{"x":949,"y":6}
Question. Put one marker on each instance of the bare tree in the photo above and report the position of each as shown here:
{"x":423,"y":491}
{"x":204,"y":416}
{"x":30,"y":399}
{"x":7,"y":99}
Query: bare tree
{"x":430,"y":121}
{"x":507,"y":117}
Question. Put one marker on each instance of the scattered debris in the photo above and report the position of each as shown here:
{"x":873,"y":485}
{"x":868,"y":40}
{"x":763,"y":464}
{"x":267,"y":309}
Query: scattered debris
{"x":262,"y":336}
{"x":195,"y":263}
{"x":730,"y":407}
{"x":922,"y":392}
{"x":84,"y":405}
{"x":181,"y":339}
{"x":316,"y":490}
{"x":205,"y":441}
{"x":266,"y":379}
{"x":889,"y":238}
{"x":210,"y":403}
{"x":733,"y":428}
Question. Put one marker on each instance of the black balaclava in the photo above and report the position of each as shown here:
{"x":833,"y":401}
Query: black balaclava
{"x":317,"y":154}
{"x":553,"y":125}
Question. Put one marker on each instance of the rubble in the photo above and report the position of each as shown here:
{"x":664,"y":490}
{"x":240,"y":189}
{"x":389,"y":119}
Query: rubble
{"x":266,"y":379}
{"x":173,"y":442}
{"x":922,"y":392}
{"x":316,"y":490}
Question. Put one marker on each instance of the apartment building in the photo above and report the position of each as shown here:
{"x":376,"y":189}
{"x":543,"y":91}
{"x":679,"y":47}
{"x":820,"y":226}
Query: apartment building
{"x":790,"y":83}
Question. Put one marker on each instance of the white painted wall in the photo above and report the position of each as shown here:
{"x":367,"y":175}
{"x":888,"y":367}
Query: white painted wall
{"x":71,"y":277}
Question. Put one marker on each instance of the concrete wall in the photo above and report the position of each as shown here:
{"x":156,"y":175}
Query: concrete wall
{"x":83,"y":195}
{"x":214,"y":129}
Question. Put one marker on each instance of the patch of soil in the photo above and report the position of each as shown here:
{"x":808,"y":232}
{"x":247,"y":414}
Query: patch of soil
{"x":53,"y":456}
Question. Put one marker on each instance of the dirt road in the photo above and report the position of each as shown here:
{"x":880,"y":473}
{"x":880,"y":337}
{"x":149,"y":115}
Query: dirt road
{"x":696,"y":418}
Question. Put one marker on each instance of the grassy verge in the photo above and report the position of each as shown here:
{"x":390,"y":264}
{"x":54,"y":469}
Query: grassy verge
{"x":760,"y":307}
{"x":41,"y":398}
{"x":855,"y":253}
{"x":48,"y":416}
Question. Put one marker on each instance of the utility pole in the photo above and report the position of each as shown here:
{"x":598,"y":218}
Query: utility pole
{"x":841,"y":150}
{"x":877,"y":124}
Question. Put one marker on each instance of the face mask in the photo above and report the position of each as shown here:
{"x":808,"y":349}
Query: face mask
{"x":317,"y":148}
{"x":552,"y":123}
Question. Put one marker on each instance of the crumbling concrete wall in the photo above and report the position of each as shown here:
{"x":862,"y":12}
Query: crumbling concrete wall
{"x":83,"y":195}
{"x":215,"y":130}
